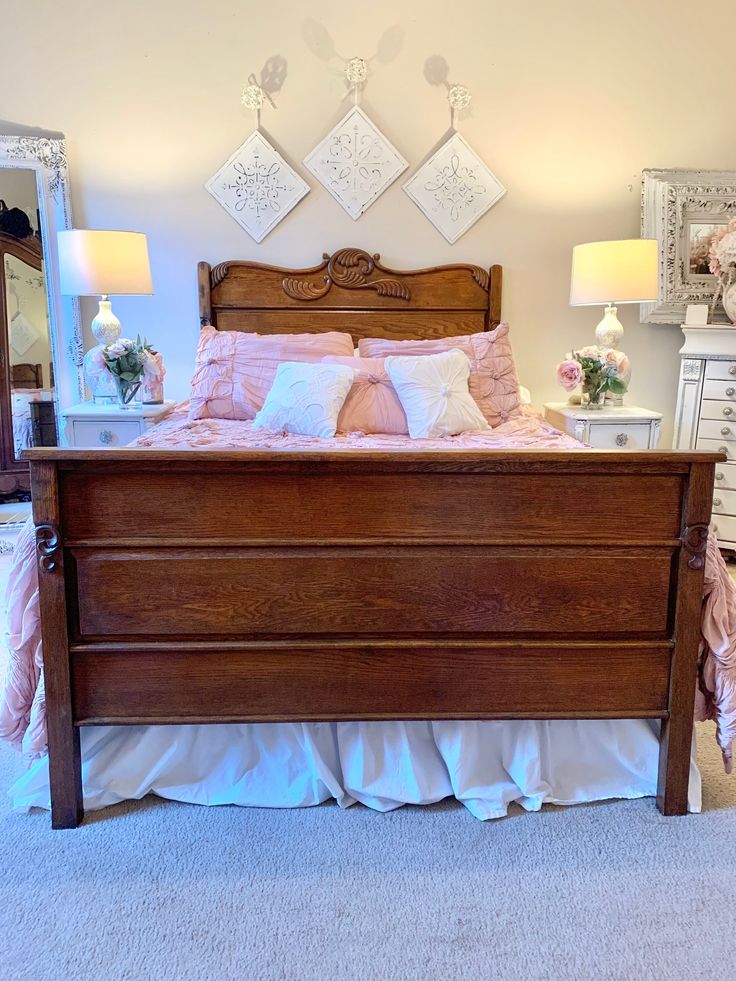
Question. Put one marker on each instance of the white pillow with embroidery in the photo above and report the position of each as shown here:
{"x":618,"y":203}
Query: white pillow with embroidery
{"x":433,"y":391}
{"x":305,"y":399}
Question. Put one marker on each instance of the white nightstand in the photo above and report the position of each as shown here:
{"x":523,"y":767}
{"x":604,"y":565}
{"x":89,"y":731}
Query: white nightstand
{"x":623,"y":427}
{"x":92,"y":424}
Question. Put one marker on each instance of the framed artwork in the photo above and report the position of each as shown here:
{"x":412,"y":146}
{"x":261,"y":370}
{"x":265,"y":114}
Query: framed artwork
{"x":355,"y":162}
{"x":257,"y":187}
{"x":683,"y":209}
{"x":454,"y":188}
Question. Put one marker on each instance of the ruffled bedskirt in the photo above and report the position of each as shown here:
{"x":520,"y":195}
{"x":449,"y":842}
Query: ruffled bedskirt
{"x":485,"y":765}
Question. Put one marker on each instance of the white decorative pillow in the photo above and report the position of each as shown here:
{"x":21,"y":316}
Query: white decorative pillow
{"x":305,"y":398}
{"x":433,"y":391}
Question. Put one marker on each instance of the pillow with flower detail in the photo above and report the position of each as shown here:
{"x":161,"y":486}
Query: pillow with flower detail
{"x":305,"y":399}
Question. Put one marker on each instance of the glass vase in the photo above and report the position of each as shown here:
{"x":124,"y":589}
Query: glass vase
{"x":126,"y":391}
{"x":592,"y":400}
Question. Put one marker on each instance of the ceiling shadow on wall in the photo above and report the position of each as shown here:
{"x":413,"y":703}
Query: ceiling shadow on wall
{"x":437,"y":73}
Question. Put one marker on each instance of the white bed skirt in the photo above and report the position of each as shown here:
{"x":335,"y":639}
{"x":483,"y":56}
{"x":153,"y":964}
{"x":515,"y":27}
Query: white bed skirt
{"x":485,"y":765}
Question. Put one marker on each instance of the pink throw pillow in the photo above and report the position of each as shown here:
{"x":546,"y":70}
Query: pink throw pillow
{"x":372,"y":405}
{"x":234,"y":371}
{"x":493,"y":382}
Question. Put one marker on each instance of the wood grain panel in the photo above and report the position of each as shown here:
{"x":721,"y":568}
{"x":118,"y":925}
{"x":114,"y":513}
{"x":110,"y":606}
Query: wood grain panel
{"x":396,"y":325}
{"x":270,"y":506}
{"x":375,"y":591}
{"x":363,"y":683}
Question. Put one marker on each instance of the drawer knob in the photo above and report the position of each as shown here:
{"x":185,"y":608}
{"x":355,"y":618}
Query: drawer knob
{"x":723,"y":449}
{"x":725,"y":430}
{"x":727,"y":410}
{"x":732,"y":370}
{"x":730,"y":390}
{"x":719,"y":475}
{"x":716,"y":502}
{"x":106,"y":437}
{"x":622,"y":439}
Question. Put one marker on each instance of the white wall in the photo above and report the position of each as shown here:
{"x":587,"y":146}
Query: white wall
{"x":572,"y":98}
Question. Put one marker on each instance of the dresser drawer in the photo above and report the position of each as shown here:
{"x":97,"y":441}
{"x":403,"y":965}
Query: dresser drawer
{"x":720,"y":369}
{"x":719,"y":445}
{"x":716,"y":429}
{"x":724,"y":391}
{"x":718,"y":409}
{"x":105,"y":432}
{"x":724,"y":501}
{"x":613,"y":436}
{"x":724,"y":527}
{"x":725,"y":476}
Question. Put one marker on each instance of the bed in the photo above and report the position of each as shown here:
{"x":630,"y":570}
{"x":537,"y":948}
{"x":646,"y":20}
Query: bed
{"x":366,"y":583}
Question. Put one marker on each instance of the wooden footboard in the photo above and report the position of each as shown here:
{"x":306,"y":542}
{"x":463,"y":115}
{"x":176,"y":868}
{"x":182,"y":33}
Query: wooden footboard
{"x":218,"y":586}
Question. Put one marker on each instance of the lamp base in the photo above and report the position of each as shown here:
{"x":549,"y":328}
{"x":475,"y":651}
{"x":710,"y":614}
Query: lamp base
{"x":610,"y":330}
{"x":106,"y":329}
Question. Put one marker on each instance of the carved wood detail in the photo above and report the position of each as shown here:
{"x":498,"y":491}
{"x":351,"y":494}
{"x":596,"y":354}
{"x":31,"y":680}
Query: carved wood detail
{"x":694,"y":541}
{"x":47,"y":545}
{"x":350,"y":269}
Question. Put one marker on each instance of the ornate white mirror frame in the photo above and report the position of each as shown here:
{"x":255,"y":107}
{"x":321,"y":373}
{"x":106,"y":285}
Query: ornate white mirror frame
{"x":47,"y":157}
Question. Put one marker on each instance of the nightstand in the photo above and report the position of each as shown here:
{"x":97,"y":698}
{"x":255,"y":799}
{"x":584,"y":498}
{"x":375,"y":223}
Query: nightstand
{"x":94,"y":424}
{"x":622,"y":427}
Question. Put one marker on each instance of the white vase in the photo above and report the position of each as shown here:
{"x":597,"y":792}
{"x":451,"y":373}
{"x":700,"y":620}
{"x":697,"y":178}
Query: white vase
{"x":729,"y":302}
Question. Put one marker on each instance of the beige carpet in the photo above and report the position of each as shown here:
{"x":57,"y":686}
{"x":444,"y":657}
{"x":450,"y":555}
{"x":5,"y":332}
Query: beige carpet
{"x":156,"y":890}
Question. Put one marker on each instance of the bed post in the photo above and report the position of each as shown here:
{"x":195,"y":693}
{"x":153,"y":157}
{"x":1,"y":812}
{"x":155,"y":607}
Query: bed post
{"x":494,"y":296}
{"x":205,"y":293}
{"x":677,"y":730}
{"x":65,"y":765}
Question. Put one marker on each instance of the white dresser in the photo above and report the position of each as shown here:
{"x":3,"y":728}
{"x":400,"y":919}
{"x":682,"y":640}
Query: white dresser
{"x":95,"y":425}
{"x":706,"y":414}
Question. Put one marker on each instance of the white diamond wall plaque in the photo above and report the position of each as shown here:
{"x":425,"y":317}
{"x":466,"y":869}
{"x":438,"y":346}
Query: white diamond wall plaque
{"x":454,"y":188}
{"x":355,"y":162}
{"x":257,"y":187}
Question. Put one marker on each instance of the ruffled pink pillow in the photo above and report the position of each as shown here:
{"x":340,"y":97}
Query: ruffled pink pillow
{"x":493,"y":382}
{"x":234,"y":371}
{"x":372,"y":405}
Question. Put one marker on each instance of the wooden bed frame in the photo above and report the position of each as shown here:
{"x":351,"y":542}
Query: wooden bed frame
{"x":366,"y":585}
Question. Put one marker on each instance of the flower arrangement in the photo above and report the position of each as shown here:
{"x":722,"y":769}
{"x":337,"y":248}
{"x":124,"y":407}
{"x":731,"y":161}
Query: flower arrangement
{"x":722,"y":263}
{"x":131,"y":363}
{"x":598,"y":370}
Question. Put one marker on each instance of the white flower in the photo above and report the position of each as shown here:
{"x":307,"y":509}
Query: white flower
{"x":119,"y":348}
{"x":725,"y":250}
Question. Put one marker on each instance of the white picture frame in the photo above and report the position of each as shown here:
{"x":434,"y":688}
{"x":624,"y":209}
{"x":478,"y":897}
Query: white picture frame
{"x":355,"y":162}
{"x":454,"y":188}
{"x":681,"y":208}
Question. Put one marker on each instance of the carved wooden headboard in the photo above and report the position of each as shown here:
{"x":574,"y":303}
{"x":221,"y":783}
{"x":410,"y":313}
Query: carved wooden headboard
{"x":351,"y":291}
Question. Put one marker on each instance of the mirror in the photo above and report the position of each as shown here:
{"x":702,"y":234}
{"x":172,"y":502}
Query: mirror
{"x":40,"y":335}
{"x":26,"y":332}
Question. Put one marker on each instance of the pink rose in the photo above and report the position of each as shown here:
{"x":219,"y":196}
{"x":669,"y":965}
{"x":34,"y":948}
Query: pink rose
{"x":620,"y":362}
{"x":569,"y":374}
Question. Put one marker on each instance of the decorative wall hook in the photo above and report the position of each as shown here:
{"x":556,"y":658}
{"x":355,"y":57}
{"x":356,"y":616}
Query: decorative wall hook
{"x":459,"y":97}
{"x":356,"y":74}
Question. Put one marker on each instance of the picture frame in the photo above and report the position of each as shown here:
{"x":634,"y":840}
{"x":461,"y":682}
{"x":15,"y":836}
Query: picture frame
{"x":682,"y":209}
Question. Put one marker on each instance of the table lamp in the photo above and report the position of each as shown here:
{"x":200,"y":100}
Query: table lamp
{"x":625,"y":271}
{"x":103,"y":263}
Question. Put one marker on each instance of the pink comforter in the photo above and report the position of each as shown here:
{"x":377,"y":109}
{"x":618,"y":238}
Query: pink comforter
{"x":22,"y":706}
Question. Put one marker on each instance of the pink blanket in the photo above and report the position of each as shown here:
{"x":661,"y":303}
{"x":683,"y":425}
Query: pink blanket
{"x":22,"y":709}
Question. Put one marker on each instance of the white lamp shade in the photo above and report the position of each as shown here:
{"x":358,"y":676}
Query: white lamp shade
{"x":96,"y":263}
{"x":625,"y":271}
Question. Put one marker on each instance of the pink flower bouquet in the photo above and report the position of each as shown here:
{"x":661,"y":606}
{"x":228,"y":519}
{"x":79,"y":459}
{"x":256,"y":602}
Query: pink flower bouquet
{"x":598,"y":370}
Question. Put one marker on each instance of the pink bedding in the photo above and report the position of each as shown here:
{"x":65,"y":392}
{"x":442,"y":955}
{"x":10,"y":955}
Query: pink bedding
{"x":22,"y":720}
